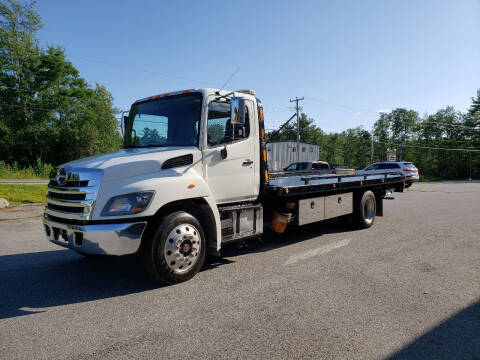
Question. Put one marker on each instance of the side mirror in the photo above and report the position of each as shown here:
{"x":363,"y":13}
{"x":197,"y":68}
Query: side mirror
{"x":237,"y":110}
{"x":123,"y":121}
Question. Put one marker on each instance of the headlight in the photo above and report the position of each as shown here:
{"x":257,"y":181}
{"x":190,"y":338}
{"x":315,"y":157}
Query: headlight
{"x":128,"y":204}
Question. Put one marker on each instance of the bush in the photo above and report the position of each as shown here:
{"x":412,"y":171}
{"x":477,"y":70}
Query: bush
{"x":13,"y":171}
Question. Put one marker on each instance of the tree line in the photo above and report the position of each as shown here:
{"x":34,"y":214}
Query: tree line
{"x":445,"y":144}
{"x":48,"y":112}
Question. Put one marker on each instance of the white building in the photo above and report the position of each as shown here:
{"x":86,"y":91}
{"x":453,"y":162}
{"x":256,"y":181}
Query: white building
{"x":281,"y":154}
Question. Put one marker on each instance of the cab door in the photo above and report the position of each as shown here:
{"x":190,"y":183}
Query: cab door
{"x":231,"y":153}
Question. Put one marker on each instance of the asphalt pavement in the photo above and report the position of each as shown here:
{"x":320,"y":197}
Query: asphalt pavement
{"x":408,"y":288}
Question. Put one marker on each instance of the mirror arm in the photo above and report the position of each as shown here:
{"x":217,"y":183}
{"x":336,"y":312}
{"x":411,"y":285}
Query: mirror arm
{"x":224,"y":153}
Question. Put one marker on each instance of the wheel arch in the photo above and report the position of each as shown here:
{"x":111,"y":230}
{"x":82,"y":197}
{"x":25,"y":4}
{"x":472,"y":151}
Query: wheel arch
{"x":198,"y":207}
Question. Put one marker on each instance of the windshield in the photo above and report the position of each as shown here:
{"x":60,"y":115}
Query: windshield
{"x":168,"y":121}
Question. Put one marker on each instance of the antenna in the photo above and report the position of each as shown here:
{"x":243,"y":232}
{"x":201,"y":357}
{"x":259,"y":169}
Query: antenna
{"x":230,"y":78}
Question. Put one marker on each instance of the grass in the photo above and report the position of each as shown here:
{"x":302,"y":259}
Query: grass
{"x":39,"y":171}
{"x":23,"y":194}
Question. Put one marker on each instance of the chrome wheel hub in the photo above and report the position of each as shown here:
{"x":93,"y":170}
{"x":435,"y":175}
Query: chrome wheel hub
{"x":369,"y":210}
{"x":182,"y":248}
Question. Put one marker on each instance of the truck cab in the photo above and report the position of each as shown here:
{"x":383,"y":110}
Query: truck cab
{"x":195,"y":150}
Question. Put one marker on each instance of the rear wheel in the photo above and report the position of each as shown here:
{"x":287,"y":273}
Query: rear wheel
{"x":175,"y":252}
{"x":365,"y":213}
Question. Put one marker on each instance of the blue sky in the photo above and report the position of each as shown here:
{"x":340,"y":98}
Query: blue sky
{"x":348,"y":58}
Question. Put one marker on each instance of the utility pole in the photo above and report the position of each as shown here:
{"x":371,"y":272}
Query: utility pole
{"x":298,"y":126}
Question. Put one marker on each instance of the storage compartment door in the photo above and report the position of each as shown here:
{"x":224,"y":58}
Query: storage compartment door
{"x":338,"y":205}
{"x":310,"y":210}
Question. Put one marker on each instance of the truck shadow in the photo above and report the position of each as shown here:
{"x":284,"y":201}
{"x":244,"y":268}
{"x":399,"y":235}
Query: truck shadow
{"x":32,"y":282}
{"x":270,"y":240}
{"x":458,"y":337}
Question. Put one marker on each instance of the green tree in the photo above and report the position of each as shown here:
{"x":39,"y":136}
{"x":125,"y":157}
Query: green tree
{"x":48,"y":112}
{"x":475,"y":107}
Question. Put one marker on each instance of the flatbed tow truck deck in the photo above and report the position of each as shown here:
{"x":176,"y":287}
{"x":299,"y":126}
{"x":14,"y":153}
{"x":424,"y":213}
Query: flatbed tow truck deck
{"x":294,"y":184}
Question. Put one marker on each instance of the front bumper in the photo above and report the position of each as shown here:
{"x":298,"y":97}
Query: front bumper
{"x":102,"y":239}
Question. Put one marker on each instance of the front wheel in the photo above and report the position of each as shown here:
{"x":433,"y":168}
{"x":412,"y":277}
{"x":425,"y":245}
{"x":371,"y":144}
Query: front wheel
{"x":175,"y":252}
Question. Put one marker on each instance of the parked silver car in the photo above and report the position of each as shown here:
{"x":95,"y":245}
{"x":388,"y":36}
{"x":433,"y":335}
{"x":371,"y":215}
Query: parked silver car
{"x":409,"y":171}
{"x":316,"y":166}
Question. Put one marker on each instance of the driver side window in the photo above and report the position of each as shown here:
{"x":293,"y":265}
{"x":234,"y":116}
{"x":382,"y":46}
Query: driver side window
{"x":220,"y":129}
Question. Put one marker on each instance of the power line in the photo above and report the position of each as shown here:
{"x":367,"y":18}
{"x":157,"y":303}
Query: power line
{"x":442,"y":148}
{"x":439,"y":123}
{"x":340,"y":107}
{"x":31,"y":107}
{"x":142,"y":70}
{"x":432,"y":147}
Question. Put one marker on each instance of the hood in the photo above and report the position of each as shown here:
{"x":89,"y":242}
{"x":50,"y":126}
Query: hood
{"x":130,"y":162}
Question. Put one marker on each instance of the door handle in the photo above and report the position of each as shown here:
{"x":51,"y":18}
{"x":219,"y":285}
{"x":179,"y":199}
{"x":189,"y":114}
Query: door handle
{"x":247,"y":162}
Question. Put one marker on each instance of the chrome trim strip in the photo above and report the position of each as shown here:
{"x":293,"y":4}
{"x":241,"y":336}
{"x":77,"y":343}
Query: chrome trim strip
{"x":68,"y":190}
{"x":73,"y":203}
{"x":68,"y":215}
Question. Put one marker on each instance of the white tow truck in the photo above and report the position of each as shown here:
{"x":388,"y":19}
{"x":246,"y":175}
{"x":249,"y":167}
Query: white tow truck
{"x":192,"y":176}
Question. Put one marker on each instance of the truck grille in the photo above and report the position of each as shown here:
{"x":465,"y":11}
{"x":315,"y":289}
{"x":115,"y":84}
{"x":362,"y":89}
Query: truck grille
{"x":63,"y":196}
{"x":72,"y":209}
{"x":70,"y":183}
{"x":75,"y":200}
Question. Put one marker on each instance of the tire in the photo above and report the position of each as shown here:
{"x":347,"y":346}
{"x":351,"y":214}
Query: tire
{"x":365,"y":213}
{"x":407,"y":185}
{"x":175,"y":251}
